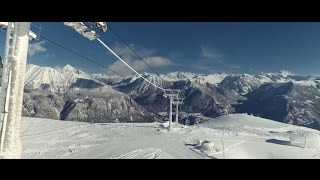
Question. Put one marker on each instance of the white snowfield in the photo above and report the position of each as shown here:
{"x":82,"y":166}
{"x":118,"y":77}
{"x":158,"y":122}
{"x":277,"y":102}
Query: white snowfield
{"x":230,"y":136}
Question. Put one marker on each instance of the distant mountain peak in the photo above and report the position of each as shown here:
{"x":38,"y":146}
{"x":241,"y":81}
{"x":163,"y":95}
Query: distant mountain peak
{"x":285,"y":73}
{"x":68,"y":66}
{"x":70,"y":69}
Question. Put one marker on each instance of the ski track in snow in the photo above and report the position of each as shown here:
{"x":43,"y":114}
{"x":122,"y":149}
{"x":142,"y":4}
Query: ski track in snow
{"x":140,"y":154}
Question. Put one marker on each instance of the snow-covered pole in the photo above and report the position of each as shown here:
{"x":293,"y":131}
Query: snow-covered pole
{"x":12,"y":143}
{"x":5,"y":58}
{"x":4,"y":79}
{"x":170,"y":113}
{"x":177,"y":112}
{"x":5,"y":115}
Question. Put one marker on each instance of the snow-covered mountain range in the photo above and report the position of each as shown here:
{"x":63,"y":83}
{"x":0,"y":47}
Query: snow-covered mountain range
{"x":71,"y":94}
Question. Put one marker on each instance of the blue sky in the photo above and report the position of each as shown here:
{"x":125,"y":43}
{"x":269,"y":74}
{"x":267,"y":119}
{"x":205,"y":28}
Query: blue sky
{"x":207,"y":47}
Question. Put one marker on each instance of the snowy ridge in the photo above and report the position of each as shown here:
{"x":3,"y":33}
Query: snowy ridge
{"x":54,"y":79}
{"x":140,"y":86}
{"x":199,"y":78}
{"x":69,"y":69}
{"x":242,"y":83}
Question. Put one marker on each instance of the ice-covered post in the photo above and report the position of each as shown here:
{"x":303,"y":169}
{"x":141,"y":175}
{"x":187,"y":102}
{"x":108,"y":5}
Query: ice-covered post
{"x":5,"y":115}
{"x":5,"y":73}
{"x":12,"y":143}
{"x":5,"y":83}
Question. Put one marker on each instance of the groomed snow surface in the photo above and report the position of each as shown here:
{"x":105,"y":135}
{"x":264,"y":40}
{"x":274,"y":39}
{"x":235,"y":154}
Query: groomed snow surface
{"x":230,"y":136}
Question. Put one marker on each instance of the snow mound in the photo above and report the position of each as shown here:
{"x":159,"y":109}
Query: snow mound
{"x":206,"y":145}
{"x":243,"y":120}
{"x":305,"y":139}
{"x":175,"y":128}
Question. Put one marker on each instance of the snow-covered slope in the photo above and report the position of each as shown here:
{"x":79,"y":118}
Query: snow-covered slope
{"x":286,"y":102}
{"x":209,"y":100}
{"x":91,"y":105}
{"x":233,"y":136}
{"x":253,"y":137}
{"x":242,"y":84}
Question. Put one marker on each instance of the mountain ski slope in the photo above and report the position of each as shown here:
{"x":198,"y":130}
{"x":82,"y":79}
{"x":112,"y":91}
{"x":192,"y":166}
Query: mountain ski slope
{"x":232,"y":136}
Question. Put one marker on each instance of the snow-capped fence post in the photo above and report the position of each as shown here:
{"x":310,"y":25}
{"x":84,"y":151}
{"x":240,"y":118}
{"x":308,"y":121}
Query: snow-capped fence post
{"x":12,"y":143}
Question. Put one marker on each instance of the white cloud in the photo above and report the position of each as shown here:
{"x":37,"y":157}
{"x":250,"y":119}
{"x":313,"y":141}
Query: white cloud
{"x":140,"y":66}
{"x":211,"y":53}
{"x":235,"y":66}
{"x":129,"y":57}
{"x":123,"y":52}
{"x":127,"y":53}
{"x":36,"y":48}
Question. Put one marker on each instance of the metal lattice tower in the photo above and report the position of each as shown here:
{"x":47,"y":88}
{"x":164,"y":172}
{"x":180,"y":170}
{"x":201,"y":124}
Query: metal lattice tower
{"x":171,"y":94}
{"x":177,"y":102}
